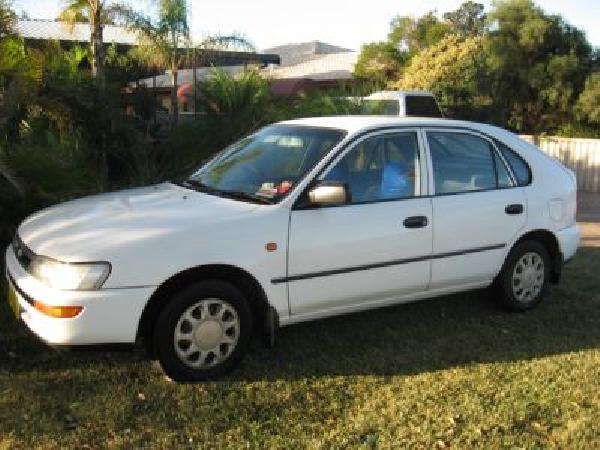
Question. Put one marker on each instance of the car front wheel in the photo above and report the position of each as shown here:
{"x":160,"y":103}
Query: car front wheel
{"x":523,"y":280}
{"x":203,"y":332}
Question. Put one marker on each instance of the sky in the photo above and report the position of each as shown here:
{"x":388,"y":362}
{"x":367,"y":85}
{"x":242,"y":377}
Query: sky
{"x":349,"y":24}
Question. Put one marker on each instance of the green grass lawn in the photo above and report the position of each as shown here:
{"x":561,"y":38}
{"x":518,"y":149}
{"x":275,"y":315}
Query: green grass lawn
{"x":455,"y":371}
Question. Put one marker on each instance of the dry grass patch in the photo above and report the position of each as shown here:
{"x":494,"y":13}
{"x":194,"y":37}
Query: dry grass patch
{"x":452,"y":372}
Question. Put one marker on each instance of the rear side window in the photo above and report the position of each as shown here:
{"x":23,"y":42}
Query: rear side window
{"x":519,"y":167}
{"x":422,"y":106}
{"x":461,"y":163}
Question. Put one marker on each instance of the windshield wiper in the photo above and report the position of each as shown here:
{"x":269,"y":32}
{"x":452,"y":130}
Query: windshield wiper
{"x":196,"y":185}
{"x":237,"y":195}
{"x":241,"y":195}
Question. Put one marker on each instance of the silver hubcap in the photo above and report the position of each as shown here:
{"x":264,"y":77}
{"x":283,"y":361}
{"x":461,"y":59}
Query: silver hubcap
{"x":528,"y":277}
{"x":206,"y":333}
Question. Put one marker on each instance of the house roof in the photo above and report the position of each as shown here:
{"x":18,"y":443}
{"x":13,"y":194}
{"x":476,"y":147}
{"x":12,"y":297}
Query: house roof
{"x":53,"y":30}
{"x":335,"y":66}
{"x":292,"y":54}
{"x":315,"y":61}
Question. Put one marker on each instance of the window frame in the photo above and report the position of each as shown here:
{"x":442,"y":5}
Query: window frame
{"x":229,"y":149}
{"x":509,"y":165}
{"x":493,"y":148}
{"x":423,"y":172}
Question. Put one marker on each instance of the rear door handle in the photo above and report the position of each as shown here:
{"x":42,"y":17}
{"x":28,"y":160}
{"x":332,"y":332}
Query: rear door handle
{"x":514,"y":210}
{"x":416,"y":222}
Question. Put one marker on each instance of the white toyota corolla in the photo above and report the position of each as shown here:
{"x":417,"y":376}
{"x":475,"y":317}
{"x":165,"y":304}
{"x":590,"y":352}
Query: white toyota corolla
{"x":303,"y":219}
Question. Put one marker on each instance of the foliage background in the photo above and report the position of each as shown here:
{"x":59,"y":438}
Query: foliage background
{"x":65,"y":131}
{"x":515,"y":66}
{"x":478,"y":378}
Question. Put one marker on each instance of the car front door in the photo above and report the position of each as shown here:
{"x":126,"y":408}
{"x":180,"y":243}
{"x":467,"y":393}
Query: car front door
{"x":478,"y":208}
{"x":377,"y":246}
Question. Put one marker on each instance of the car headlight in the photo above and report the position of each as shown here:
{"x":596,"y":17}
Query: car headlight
{"x":69,"y":276}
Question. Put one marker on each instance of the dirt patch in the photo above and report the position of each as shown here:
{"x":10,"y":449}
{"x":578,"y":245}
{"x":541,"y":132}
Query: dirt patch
{"x":590,"y":234}
{"x":588,"y":218}
{"x":588,"y":207}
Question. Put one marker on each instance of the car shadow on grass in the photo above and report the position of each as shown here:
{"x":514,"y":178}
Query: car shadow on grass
{"x":450,"y":331}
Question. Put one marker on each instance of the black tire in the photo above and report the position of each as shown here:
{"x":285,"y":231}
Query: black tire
{"x":169,"y":319}
{"x":508,"y":292}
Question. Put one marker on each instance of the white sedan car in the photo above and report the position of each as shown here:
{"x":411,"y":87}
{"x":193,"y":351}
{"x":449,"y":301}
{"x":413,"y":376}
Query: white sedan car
{"x":301,"y":220}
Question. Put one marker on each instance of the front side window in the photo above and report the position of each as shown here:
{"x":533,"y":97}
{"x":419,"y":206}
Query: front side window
{"x":462,"y":163}
{"x":380,"y":168}
{"x":266,"y":165}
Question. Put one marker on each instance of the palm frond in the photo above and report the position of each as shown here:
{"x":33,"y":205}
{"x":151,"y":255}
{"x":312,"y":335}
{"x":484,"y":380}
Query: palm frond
{"x":73,"y":12}
{"x":7,"y":174}
{"x":116,"y":13}
{"x":173,"y":16}
{"x":8,"y":19}
{"x":160,"y":41}
{"x":227,"y":42}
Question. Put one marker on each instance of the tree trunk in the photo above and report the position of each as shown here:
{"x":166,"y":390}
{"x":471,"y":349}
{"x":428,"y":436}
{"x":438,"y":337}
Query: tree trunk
{"x":174,"y":102}
{"x":155,"y":97}
{"x":97,"y":47}
{"x":195,"y":84}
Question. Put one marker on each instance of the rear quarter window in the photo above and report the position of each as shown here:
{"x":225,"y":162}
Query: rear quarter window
{"x":520,"y":168}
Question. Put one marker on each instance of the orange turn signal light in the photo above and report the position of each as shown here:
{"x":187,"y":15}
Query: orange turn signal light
{"x":271,"y":246}
{"x":59,"y":312}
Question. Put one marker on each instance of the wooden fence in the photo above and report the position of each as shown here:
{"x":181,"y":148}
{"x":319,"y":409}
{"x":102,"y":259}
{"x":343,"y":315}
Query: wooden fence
{"x":580,"y":155}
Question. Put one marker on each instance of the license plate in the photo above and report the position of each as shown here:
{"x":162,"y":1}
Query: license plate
{"x":13,"y":300}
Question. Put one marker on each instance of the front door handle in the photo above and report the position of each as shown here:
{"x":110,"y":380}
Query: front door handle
{"x":416,"y":222}
{"x":513,"y":210}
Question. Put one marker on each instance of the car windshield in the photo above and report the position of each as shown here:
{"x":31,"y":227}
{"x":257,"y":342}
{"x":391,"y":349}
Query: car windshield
{"x":265,"y":166}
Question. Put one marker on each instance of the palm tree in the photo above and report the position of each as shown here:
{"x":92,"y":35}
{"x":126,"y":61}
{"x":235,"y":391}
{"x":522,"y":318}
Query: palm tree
{"x":166,"y":42}
{"x":7,"y":174}
{"x":7,"y":19}
{"x":161,"y":40}
{"x":7,"y":23}
{"x":97,"y":13}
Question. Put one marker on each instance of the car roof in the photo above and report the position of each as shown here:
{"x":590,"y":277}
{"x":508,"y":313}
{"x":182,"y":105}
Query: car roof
{"x":396,"y":95}
{"x":355,"y":124}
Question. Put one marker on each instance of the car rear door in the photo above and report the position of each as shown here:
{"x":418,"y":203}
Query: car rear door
{"x":478,"y":209}
{"x":374,"y":248}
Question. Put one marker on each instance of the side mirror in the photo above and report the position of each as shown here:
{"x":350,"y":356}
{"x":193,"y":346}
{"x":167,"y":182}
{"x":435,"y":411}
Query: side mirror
{"x":329,"y":193}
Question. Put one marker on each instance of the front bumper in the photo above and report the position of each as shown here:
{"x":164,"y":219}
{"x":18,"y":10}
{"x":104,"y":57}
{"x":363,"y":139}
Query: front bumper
{"x":109,"y":316}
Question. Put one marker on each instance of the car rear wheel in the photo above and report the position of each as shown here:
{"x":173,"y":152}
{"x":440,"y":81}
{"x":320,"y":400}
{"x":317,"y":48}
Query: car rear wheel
{"x":523,"y":280}
{"x":203,"y":332}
